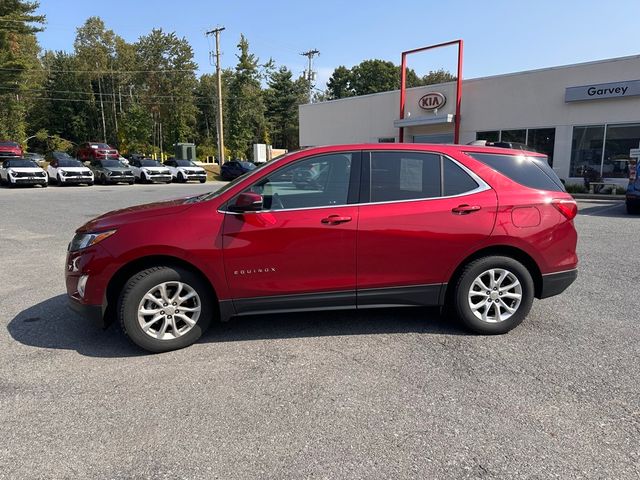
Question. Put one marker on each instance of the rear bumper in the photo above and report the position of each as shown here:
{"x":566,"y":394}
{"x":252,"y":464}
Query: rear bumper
{"x":556,"y":283}
{"x":93,"y":313}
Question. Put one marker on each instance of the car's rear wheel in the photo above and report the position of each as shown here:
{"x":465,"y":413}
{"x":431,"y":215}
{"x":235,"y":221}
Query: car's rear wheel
{"x":165,"y":308}
{"x":633,"y":209}
{"x":493,"y":294}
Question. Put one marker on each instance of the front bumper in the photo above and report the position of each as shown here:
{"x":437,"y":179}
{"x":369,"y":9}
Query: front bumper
{"x":29,"y":180}
{"x":120,"y":178}
{"x":556,"y":283}
{"x":77,"y":179}
{"x":195,"y":176}
{"x":159,"y":178}
{"x":93,"y":313}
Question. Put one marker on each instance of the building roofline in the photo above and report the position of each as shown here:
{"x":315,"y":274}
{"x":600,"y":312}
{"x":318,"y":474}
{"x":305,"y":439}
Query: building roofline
{"x":476,"y":79}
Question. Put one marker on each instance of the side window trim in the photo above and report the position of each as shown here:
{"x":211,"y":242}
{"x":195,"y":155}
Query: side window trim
{"x":353,"y":193}
{"x":365,"y":184}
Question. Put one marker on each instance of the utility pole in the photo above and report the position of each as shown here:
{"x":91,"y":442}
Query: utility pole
{"x":310,"y":73}
{"x":219,"y":123}
{"x":104,"y":126}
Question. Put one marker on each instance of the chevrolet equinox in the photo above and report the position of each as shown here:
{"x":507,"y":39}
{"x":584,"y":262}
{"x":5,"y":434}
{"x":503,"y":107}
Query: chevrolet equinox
{"x":483,"y":230}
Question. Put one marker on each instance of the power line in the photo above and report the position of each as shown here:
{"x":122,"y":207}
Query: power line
{"x":103,"y":72}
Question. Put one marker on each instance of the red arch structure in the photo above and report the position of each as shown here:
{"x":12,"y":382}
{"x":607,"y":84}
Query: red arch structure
{"x":403,"y":84}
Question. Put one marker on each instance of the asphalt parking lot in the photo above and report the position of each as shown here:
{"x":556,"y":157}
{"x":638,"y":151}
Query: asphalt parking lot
{"x":375,"y":394}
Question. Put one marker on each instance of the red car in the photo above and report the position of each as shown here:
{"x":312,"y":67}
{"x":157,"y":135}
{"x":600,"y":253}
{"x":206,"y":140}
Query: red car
{"x":10,"y":149}
{"x":484,"y":230}
{"x":90,"y":151}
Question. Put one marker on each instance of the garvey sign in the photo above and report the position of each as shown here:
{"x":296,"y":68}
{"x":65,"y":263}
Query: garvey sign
{"x":432,"y":100}
{"x":603,"y":90}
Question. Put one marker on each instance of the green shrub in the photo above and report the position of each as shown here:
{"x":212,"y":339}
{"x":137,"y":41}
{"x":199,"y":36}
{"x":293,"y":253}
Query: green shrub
{"x":575,"y":188}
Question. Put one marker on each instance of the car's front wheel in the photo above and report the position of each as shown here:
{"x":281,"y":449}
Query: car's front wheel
{"x":633,"y":209}
{"x":165,"y":308}
{"x":494,"y":294}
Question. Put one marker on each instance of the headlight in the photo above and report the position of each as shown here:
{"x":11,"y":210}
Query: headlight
{"x":63,"y":173}
{"x":84,"y":240}
{"x":11,"y":172}
{"x":109,"y":172}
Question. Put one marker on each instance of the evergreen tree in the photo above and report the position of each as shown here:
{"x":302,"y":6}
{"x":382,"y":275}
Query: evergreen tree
{"x":19,"y":66}
{"x":282,"y":99}
{"x":247,"y":123}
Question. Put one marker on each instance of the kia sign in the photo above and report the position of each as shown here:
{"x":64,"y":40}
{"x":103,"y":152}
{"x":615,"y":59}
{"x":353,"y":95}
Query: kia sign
{"x":603,"y":90}
{"x":432,"y":101}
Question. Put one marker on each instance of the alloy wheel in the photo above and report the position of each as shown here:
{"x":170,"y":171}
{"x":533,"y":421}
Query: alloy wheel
{"x":169,"y":310}
{"x":495,"y":295}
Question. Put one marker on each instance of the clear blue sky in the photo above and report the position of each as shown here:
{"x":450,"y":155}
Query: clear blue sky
{"x":500,"y":36}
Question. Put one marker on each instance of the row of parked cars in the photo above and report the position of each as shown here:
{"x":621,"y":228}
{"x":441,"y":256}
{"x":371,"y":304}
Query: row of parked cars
{"x":66,"y":170}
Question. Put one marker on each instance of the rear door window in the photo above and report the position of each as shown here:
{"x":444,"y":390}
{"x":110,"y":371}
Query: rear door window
{"x":398,"y":176}
{"x":532,"y":172}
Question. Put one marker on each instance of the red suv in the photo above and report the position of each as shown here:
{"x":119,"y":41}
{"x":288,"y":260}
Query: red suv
{"x":484,"y":230}
{"x":89,"y":151}
{"x":10,"y":149}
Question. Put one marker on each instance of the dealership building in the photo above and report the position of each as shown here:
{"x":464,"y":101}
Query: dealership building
{"x":584,"y":116}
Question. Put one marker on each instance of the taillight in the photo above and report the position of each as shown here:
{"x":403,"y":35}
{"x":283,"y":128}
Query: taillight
{"x":568,"y":208}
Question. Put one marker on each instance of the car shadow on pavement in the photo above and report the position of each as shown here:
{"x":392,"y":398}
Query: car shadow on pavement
{"x":334,"y":323}
{"x":51,"y":324}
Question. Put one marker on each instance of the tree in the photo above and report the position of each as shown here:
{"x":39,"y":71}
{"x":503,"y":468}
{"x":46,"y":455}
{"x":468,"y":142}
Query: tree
{"x":247,"y":123}
{"x":19,"y":66}
{"x":166,"y":85}
{"x":373,"y":76}
{"x":438,"y":76}
{"x":282,"y":99}
{"x":339,"y":84}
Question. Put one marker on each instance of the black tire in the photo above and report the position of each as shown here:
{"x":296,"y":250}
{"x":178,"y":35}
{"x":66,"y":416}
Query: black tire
{"x":203,"y":180}
{"x":103,"y":179}
{"x":139,"y":284}
{"x":181,"y":178}
{"x":463,"y":286}
{"x":90,"y":184}
{"x":58,"y":181}
{"x":633,"y":209}
{"x":45,"y":185}
{"x":131,"y":183}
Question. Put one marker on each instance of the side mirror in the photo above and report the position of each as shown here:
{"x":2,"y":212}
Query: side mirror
{"x":247,"y":202}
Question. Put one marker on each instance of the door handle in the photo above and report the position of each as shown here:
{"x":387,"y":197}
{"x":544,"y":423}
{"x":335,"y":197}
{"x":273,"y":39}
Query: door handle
{"x":335,"y":219}
{"x":465,"y":209}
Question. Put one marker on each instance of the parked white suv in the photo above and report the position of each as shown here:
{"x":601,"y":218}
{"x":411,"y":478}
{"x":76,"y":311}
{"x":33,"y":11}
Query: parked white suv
{"x":185,"y":170}
{"x":20,"y":171}
{"x":66,"y":170}
{"x":147,"y":170}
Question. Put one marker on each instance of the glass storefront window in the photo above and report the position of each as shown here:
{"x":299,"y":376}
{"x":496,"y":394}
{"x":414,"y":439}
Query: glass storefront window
{"x":518,"y":136}
{"x":490,"y":136}
{"x":434,"y":138}
{"x":542,"y":140}
{"x":586,"y":150}
{"x":619,"y":140}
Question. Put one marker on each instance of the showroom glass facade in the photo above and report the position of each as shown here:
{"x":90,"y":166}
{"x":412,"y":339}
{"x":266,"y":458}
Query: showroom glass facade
{"x":541,"y":140}
{"x":603,"y":149}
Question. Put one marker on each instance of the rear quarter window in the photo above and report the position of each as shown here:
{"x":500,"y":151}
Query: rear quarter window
{"x":532,"y":172}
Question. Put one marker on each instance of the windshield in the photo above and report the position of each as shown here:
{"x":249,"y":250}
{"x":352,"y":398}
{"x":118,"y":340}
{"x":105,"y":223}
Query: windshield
{"x":69,"y":162}
{"x":150,"y":163}
{"x":61,"y":156}
{"x":20,"y":163}
{"x":111,"y":164}
{"x":8,"y":144}
{"x":248,"y":165}
{"x":99,"y":145}
{"x":185,"y":163}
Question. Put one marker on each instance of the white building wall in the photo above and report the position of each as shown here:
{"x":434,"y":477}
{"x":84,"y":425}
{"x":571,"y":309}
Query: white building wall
{"x":531,"y":99}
